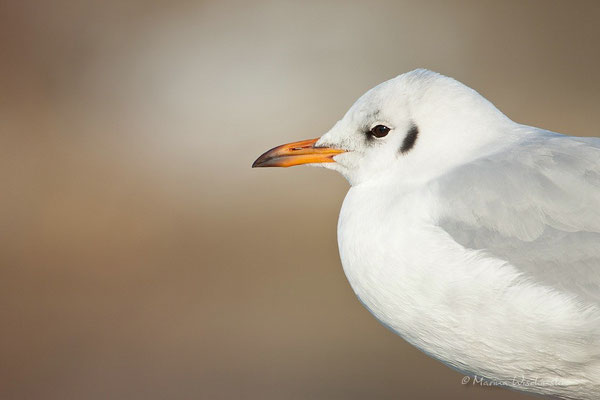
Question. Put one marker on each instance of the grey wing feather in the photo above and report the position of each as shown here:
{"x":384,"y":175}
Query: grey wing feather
{"x":535,"y":204}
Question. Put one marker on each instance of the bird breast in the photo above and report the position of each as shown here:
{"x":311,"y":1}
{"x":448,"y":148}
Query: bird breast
{"x":467,"y":309}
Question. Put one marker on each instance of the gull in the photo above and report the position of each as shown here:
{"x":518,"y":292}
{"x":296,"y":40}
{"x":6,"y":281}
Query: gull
{"x":474,"y":238}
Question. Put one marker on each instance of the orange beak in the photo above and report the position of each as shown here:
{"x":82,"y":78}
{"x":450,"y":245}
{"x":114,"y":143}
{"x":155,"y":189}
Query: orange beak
{"x":297,"y":153}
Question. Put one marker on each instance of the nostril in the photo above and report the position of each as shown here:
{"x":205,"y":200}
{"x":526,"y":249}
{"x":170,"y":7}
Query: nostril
{"x":300,"y":148}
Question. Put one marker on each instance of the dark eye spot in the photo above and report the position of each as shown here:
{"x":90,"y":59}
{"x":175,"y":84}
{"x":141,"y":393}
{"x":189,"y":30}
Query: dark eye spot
{"x":379,"y":131}
{"x":410,"y":139}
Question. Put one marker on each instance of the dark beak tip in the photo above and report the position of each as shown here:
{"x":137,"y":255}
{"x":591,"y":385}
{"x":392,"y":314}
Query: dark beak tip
{"x":264,"y":158}
{"x":259,"y":161}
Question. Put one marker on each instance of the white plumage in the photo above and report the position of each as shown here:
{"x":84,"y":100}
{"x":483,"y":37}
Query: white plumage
{"x":477,"y":239}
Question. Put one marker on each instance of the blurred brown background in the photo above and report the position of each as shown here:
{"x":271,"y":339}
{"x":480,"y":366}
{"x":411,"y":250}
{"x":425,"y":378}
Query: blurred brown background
{"x":142,"y":258}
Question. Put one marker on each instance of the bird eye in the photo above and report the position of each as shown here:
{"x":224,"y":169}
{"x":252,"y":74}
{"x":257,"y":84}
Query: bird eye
{"x":379,"y":131}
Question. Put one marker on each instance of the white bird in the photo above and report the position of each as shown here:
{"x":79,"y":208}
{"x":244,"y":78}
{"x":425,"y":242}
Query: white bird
{"x":474,"y":238}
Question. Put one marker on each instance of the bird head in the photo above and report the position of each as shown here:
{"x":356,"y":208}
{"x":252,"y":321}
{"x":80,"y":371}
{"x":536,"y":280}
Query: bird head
{"x":413,"y":126}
